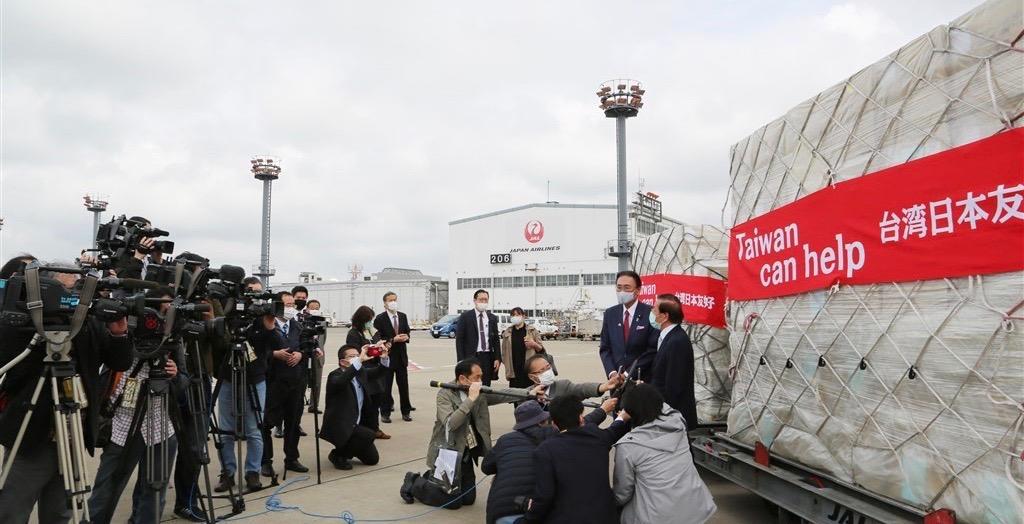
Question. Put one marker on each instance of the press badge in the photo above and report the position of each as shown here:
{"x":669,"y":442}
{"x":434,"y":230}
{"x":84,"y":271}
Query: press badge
{"x":250,"y":355}
{"x":130,"y":394}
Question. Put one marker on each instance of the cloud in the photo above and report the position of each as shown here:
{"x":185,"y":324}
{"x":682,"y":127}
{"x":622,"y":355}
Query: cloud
{"x":391,"y":119}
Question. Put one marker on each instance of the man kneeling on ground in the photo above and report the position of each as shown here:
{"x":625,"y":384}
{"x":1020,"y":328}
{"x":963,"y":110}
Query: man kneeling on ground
{"x":463,"y":425}
{"x":348,"y":406}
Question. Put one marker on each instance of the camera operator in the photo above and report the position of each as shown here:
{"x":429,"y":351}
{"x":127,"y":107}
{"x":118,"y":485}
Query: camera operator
{"x":135,"y":267}
{"x":305,"y":308}
{"x":155,"y":433}
{"x":360,"y":334}
{"x":262,"y":341}
{"x":285,"y":390}
{"x":348,"y":406}
{"x":35,"y":475}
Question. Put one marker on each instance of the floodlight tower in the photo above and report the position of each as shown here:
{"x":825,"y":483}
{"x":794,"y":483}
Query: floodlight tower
{"x":266,"y":169}
{"x":621,"y":99}
{"x":96,"y":205}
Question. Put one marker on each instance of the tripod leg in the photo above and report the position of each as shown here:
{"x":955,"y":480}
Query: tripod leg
{"x":316,"y":439}
{"x":80,"y":482}
{"x":13,"y":452}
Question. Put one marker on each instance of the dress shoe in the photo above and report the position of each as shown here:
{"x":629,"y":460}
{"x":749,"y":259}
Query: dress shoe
{"x":381,"y":435}
{"x":406,"y":417}
{"x":302,"y":432}
{"x":317,"y":411}
{"x":406,"y":490}
{"x":385,"y":418}
{"x":227,"y":481}
{"x":278,"y":432}
{"x":296,"y":466}
{"x":412,"y":408}
{"x":342,"y":463}
{"x":267,"y":470}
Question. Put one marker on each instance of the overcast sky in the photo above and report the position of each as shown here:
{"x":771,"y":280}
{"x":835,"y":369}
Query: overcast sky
{"x":393,"y":118}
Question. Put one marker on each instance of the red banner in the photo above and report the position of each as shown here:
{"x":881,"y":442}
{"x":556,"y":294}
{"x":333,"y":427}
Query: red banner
{"x":703,"y":298}
{"x":954,"y":213}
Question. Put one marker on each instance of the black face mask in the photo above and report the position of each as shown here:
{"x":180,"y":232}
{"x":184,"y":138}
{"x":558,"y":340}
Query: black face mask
{"x":300,"y":304}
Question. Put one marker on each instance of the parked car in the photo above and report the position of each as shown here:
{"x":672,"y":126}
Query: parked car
{"x":444,"y":327}
{"x":544,"y":327}
{"x":504,"y":321}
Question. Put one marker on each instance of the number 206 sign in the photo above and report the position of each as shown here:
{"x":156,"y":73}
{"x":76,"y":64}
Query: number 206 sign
{"x":501,"y":258}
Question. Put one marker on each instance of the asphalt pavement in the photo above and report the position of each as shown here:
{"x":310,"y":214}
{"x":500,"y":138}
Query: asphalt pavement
{"x":371,"y":492}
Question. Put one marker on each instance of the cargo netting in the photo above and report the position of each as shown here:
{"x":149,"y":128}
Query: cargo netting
{"x":700,"y":251}
{"x":915,"y":390}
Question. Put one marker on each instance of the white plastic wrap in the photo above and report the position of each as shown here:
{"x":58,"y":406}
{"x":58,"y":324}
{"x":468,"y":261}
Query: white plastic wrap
{"x":700,"y":251}
{"x":914,"y":391}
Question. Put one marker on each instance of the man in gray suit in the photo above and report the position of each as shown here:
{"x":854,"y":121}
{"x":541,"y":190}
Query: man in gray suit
{"x":539,"y":370}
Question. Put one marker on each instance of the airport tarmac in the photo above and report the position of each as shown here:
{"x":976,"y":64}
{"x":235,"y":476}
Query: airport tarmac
{"x":370,"y":493}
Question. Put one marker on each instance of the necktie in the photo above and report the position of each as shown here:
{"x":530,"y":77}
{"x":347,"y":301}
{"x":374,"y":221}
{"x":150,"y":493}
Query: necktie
{"x":483,"y":335}
{"x":284,"y":329}
{"x":625,"y":325}
{"x":394,"y":324}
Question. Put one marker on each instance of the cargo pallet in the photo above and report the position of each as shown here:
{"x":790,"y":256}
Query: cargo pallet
{"x":800,"y":493}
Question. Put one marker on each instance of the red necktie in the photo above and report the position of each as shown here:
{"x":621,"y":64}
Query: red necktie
{"x":625,"y":325}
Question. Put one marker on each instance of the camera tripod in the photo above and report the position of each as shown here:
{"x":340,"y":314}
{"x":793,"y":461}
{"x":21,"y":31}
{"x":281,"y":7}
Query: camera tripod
{"x":68,"y":395}
{"x":310,"y":377}
{"x":68,"y":400}
{"x":244,"y":397}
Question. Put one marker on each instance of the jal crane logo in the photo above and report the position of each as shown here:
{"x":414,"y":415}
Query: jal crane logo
{"x":534,"y":231}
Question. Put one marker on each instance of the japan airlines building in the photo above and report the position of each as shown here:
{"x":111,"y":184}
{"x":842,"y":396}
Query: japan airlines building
{"x":546,"y":258}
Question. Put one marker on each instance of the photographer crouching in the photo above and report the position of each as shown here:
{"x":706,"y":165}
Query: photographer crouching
{"x":34,"y":472}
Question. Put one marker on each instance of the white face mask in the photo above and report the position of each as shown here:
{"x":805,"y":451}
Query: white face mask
{"x":481,"y":306}
{"x":314,"y":312}
{"x":392,"y":306}
{"x":290,"y":312}
{"x":547,"y":378}
{"x":625,"y":297}
{"x":517,"y":320}
{"x":352,"y":360}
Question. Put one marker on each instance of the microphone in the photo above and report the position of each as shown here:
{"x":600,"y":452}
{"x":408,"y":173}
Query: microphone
{"x":483,"y":389}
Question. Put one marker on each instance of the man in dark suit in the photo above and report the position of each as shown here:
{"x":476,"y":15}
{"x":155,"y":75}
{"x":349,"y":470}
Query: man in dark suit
{"x":348,"y":406}
{"x":286,"y":388}
{"x":392,"y":325}
{"x":627,"y":336}
{"x":571,"y":468}
{"x":673,"y":365}
{"x":476,"y":336}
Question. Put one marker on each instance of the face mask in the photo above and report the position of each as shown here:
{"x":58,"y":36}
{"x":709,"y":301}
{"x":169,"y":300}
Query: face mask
{"x":352,"y":360}
{"x":547,"y":378}
{"x":290,"y":312}
{"x":517,"y":320}
{"x":392,"y":306}
{"x":481,"y":306}
{"x":625,"y":297}
{"x":654,"y":321}
{"x":300,"y":304}
{"x":314,"y":312}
